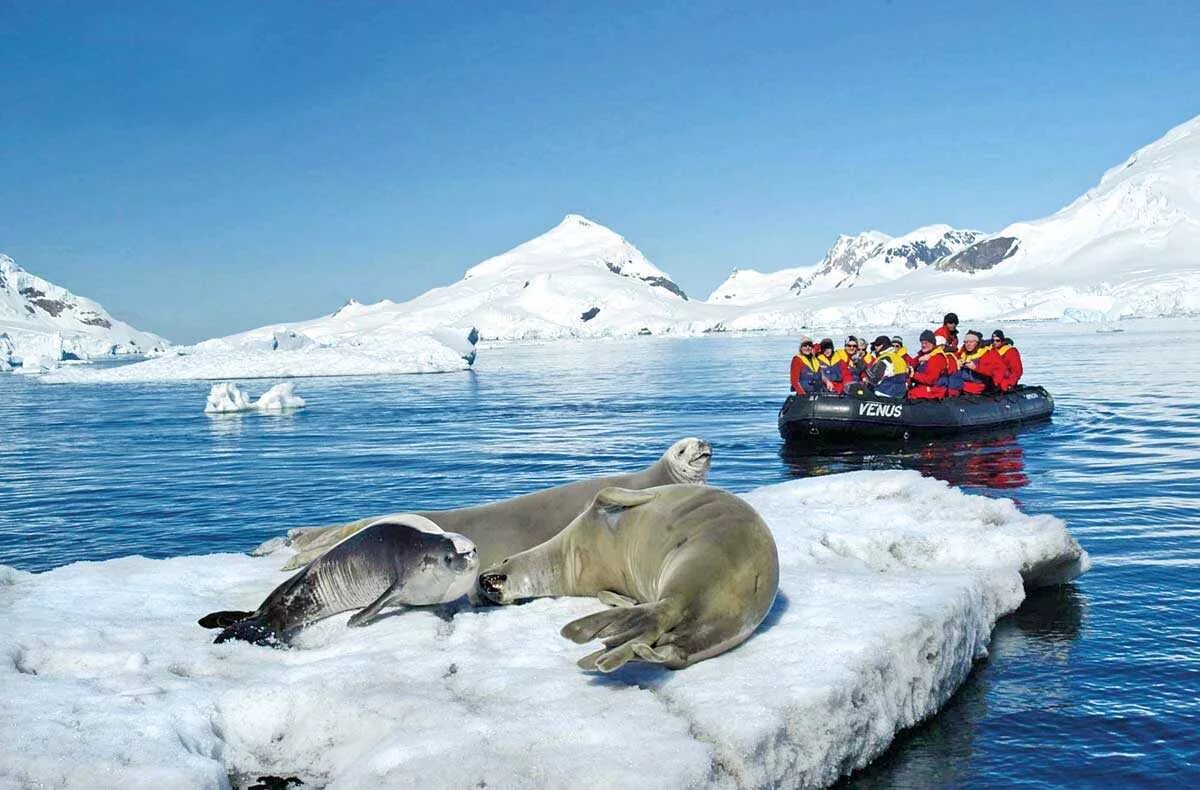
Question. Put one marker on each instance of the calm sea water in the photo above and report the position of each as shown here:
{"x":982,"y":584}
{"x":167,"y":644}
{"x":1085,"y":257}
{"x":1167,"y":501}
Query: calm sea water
{"x":1095,"y":683}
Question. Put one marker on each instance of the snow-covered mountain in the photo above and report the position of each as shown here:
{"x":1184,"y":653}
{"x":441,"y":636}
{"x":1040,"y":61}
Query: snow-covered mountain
{"x":577,"y":279}
{"x":45,"y":323}
{"x":750,"y":286}
{"x":873,"y":257}
{"x":869,"y":258}
{"x":1130,"y":246}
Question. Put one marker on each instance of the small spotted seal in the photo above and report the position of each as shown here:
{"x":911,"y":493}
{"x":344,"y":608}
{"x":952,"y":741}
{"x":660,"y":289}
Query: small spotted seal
{"x":402,"y":559}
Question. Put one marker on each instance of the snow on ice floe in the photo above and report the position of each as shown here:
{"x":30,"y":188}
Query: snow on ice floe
{"x":228,"y":398}
{"x":255,"y":358}
{"x":884,"y":605}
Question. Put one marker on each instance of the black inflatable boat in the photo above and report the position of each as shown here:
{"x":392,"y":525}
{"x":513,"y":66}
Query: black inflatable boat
{"x":822,"y":419}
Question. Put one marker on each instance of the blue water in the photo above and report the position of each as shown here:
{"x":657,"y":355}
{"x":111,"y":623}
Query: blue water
{"x":1094,"y":683}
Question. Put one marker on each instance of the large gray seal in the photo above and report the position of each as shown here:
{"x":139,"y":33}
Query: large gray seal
{"x":691,"y":571}
{"x":403,"y":559}
{"x":501,"y":529}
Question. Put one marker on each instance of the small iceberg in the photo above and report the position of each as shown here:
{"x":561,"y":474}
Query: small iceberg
{"x":229,"y":398}
{"x":890,"y":585}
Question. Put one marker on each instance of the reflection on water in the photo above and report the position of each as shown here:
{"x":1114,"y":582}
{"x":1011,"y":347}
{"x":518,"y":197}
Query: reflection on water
{"x":990,"y":460}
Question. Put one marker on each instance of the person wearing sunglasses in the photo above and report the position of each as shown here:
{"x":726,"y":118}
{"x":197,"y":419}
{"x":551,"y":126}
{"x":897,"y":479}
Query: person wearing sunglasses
{"x":806,"y":371}
{"x":898,"y":344}
{"x":980,"y":367}
{"x":856,"y":363}
{"x":1012,"y":359}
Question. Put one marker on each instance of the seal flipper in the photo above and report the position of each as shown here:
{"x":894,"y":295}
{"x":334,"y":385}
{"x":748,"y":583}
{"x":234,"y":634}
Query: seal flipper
{"x":253,"y":629}
{"x":610,"y":598}
{"x":623,"y":630}
{"x":671,"y":655}
{"x":222,"y":619}
{"x":363,"y":616}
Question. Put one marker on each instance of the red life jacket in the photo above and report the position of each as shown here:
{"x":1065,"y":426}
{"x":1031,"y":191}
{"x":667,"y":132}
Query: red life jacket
{"x":1012,"y":364}
{"x":933,"y":377}
{"x":989,"y":371}
{"x":951,"y":337}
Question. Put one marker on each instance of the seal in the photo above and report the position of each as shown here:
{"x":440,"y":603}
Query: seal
{"x":690,"y":572}
{"x":504,"y":528}
{"x":403,"y":559}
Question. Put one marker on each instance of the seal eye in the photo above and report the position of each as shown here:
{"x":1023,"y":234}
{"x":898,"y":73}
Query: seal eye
{"x":447,"y":559}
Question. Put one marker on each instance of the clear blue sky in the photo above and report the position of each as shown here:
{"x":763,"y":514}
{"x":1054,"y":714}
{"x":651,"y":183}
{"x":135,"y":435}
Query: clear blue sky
{"x":201,"y":168}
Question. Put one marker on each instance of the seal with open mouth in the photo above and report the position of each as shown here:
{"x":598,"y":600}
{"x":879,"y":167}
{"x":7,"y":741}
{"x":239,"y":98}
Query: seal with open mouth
{"x":690,"y":572}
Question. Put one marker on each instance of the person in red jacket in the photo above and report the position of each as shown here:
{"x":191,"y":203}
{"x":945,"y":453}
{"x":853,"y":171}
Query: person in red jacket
{"x":949,"y":331}
{"x":933,"y":375}
{"x":806,"y":371}
{"x":980,"y":368}
{"x":1012,"y":360}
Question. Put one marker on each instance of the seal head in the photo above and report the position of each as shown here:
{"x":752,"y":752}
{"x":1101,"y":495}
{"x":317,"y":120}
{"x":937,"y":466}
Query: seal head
{"x":688,"y":460}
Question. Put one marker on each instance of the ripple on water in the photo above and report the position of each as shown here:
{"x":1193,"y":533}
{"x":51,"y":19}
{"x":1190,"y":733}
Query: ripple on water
{"x":1092,"y":683}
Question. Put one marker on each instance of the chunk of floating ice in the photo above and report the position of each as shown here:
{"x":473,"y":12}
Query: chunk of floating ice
{"x":228,"y":398}
{"x":280,"y":397}
{"x":890,"y":586}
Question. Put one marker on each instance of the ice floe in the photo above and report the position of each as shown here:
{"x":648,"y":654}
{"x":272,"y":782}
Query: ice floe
{"x":227,"y":398}
{"x":361,"y":356}
{"x":884,"y":605}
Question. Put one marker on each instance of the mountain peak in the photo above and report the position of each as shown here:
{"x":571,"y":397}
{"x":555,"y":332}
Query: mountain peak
{"x":45,"y":321}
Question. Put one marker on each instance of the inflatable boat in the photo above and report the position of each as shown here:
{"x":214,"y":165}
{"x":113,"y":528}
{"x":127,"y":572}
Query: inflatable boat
{"x":822,"y":419}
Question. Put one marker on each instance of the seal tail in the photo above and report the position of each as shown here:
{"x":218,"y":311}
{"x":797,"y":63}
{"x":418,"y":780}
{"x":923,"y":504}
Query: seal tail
{"x":244,"y":626}
{"x":222,"y":619}
{"x":629,"y":633}
{"x":254,"y":630}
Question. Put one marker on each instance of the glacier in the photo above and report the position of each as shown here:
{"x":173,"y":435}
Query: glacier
{"x":890,"y":586}
{"x":41,"y":324}
{"x":252,"y":356}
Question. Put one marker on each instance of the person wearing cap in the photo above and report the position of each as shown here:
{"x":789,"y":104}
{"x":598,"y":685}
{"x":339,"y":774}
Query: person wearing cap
{"x":806,"y":371}
{"x":1011,"y":357}
{"x":888,"y":373}
{"x":980,"y":367}
{"x":949,"y":332}
{"x":933,"y":376}
{"x":833,"y":367}
{"x":898,"y":344}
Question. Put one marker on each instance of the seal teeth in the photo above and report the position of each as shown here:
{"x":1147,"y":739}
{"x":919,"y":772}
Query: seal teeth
{"x":492,"y":583}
